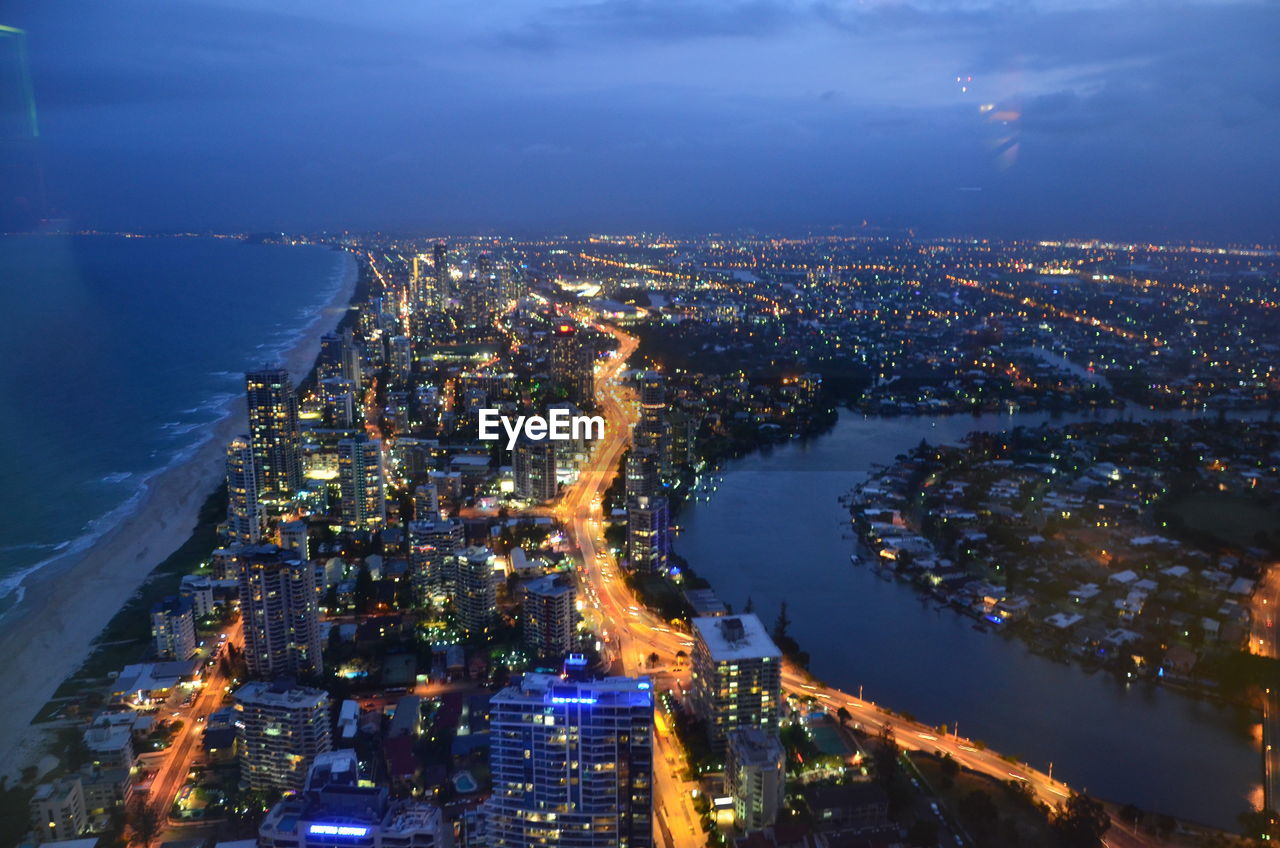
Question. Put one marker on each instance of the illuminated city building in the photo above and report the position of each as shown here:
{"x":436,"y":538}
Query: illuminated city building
{"x":294,"y":537}
{"x":737,"y":675}
{"x":173,"y":628}
{"x":360,"y":479}
{"x":549,"y":615}
{"x":755,"y":776}
{"x":572,"y":764}
{"x":400,"y":356}
{"x":648,"y":534}
{"x":58,"y":810}
{"x":469,"y":582}
{"x":273,"y":430}
{"x":426,"y":502}
{"x":244,"y":512}
{"x":338,"y":401}
{"x":439,"y":254}
{"x":535,"y":469}
{"x":281,"y":729}
{"x":280,"y":612}
{"x":573,"y":365}
{"x":341,"y":808}
{"x":642,"y":472}
{"x":431,"y":543}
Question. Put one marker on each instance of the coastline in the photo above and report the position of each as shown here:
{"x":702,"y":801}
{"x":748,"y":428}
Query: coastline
{"x":66,"y":604}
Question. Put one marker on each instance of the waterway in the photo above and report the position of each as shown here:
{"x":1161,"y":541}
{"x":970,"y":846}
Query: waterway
{"x":774,"y":530}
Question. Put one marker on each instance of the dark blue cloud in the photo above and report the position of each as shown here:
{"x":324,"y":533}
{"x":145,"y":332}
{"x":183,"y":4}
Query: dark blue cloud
{"x":1109,"y":119}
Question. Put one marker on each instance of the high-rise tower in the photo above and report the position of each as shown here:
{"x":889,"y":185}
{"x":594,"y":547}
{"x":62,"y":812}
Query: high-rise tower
{"x":443,"y":289}
{"x":244,"y":512}
{"x":364,"y":505}
{"x":273,"y":430}
{"x":280,"y":612}
{"x":572,"y":764}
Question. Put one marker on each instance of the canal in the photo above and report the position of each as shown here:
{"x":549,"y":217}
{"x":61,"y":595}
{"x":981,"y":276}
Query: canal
{"x":774,"y":530}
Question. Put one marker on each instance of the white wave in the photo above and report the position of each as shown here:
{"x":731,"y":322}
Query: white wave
{"x":116,"y":477}
{"x":179,"y":428}
{"x":12,"y":584}
{"x":33,"y":546}
{"x":94,"y":531}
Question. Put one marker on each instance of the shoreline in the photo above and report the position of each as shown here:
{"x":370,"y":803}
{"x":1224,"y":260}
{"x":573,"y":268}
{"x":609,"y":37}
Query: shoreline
{"x":50,"y":632}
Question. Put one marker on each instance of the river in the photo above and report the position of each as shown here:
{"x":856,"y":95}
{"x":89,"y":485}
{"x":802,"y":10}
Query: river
{"x":774,"y":531}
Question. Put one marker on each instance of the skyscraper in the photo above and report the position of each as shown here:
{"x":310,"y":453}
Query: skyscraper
{"x":244,"y":512}
{"x":282,"y":728}
{"x":401,"y":356}
{"x":572,"y":764}
{"x":443,"y":289}
{"x":648,"y":534}
{"x":549,"y":615}
{"x":280,"y":612}
{"x":475,"y":595}
{"x":653,"y":432}
{"x":573,"y":363}
{"x":420,"y":283}
{"x":535,"y":469}
{"x":364,"y":505}
{"x":329,"y":360}
{"x":352,"y":359}
{"x":737,"y":675}
{"x":273,"y":430}
{"x":653,"y":397}
{"x":430,"y":544}
{"x":643,"y":478}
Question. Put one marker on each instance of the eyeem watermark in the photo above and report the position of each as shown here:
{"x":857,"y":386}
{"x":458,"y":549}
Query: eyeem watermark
{"x":559,"y":426}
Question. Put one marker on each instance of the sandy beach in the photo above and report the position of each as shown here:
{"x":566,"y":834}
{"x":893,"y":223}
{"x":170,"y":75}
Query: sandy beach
{"x":68,"y":603}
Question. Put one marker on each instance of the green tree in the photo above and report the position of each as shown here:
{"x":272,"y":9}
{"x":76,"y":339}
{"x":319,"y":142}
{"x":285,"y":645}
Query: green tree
{"x":923,"y":834}
{"x":886,"y":755}
{"x":364,"y":588}
{"x":781,"y":624}
{"x":144,"y":823}
{"x":1080,"y":822}
{"x":1259,"y":824}
{"x":978,"y":813}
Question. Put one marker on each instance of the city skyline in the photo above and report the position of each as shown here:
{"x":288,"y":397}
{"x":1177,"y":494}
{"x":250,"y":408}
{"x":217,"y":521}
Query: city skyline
{"x":640,"y":423}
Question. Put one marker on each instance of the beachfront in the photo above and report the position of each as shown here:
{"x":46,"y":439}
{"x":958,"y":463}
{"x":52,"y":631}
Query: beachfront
{"x":66,"y":604}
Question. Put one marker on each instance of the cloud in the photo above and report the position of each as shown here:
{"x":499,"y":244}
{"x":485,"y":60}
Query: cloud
{"x":648,"y":112}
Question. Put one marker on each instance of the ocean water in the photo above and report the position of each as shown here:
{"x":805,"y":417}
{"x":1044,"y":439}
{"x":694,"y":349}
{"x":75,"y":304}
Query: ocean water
{"x":116,"y":356}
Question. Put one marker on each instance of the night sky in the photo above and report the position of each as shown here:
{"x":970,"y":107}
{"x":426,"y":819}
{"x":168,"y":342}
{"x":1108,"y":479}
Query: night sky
{"x":964,"y":117}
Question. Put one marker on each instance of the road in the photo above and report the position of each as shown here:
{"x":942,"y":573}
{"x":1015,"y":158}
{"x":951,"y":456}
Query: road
{"x":1264,"y":639}
{"x":186,"y":744}
{"x":631,"y":632}
{"x":613,"y":614}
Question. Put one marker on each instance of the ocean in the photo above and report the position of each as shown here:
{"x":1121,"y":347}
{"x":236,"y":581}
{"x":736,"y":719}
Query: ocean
{"x":118,"y":355}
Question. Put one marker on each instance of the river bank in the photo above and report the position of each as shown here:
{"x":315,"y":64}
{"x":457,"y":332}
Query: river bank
{"x":66,"y":603}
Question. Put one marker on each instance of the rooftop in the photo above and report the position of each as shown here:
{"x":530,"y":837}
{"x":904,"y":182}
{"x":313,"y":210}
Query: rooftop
{"x":752,"y":746}
{"x":544,"y":688}
{"x":550,"y":585}
{"x":279,"y":695}
{"x":735,"y":637}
